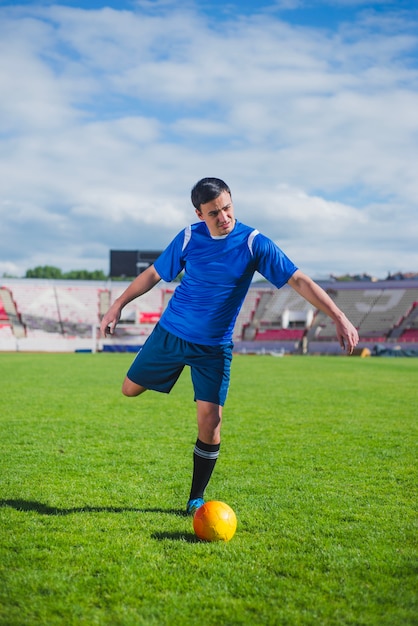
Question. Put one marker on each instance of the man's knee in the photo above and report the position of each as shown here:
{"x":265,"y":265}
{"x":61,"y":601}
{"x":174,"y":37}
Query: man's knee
{"x":131,"y":389}
{"x":209,"y":417}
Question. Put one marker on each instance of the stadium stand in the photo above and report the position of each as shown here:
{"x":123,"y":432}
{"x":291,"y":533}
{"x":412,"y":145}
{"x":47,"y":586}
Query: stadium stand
{"x":4,"y":318}
{"x":247,"y":310}
{"x":5,"y":325}
{"x":375,"y":312}
{"x":278,"y":314}
{"x":64,"y":315}
{"x":409,"y":335}
{"x":279,"y":334}
{"x":59,"y":309}
{"x":407,"y":329}
{"x":10,"y":309}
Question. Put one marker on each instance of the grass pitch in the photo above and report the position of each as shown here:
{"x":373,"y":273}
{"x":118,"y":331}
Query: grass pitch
{"x":317,"y":460}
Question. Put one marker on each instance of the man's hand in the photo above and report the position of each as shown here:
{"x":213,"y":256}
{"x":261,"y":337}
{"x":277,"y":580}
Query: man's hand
{"x":140,"y":285}
{"x":347,"y":335}
{"x":313,"y":293}
{"x":110,"y":319}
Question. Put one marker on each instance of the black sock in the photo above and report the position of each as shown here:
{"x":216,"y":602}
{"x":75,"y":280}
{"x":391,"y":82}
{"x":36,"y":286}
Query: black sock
{"x":204,"y":459}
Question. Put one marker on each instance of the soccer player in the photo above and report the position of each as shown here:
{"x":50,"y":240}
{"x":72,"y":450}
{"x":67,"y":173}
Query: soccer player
{"x":219,"y":256}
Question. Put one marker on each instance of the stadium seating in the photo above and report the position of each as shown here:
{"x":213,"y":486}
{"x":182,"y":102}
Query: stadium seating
{"x":374,"y":312}
{"x":4,"y":318}
{"x":6,"y":331}
{"x":50,"y":312}
{"x":279,"y":334}
{"x":409,"y":335}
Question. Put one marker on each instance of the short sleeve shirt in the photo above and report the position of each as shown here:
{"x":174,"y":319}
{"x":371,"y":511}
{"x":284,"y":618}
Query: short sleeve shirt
{"x":217,"y":276}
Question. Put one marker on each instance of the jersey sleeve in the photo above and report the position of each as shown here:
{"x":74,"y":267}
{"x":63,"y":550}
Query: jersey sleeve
{"x":170,"y":262}
{"x":271,"y":261}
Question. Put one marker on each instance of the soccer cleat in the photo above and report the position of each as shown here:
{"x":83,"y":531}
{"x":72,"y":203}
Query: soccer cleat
{"x":193,"y":505}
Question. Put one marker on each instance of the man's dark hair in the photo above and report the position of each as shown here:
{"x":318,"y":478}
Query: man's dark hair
{"x":206,"y":190}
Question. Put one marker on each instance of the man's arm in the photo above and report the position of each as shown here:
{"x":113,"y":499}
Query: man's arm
{"x":140,"y":285}
{"x":313,"y":293}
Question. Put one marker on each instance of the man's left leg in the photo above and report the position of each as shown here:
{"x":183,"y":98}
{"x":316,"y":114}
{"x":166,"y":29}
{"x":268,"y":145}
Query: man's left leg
{"x":206,"y":450}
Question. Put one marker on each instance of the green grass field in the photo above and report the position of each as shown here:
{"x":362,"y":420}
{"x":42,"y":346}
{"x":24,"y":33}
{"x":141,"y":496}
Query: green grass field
{"x":318,"y":461}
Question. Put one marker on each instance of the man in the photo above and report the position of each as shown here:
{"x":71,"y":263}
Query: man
{"x":219,"y":256}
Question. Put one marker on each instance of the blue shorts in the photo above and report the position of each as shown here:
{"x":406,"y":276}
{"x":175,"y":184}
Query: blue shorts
{"x":162,"y":358}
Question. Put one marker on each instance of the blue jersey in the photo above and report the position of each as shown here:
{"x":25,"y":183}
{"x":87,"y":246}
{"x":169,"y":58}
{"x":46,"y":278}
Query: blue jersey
{"x":217,"y":275}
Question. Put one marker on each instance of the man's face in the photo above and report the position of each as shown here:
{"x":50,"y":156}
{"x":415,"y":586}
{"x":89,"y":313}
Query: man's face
{"x":218,"y":215}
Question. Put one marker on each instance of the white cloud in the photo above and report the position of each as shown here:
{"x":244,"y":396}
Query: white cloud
{"x":108,"y":117}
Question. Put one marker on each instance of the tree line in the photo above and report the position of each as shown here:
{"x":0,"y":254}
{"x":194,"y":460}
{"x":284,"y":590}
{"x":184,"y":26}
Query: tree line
{"x":49,"y":271}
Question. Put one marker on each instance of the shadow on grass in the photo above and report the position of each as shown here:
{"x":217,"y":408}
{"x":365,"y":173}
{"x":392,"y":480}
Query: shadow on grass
{"x":188,"y":537}
{"x":44,"y":509}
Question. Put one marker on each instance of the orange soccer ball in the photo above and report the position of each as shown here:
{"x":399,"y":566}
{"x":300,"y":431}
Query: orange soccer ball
{"x":215,"y":521}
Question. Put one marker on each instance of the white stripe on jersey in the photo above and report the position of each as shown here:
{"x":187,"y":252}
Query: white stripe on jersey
{"x":250,"y":240}
{"x":187,"y":236}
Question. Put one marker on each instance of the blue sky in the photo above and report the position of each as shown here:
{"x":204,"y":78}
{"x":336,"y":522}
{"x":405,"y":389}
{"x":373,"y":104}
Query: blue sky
{"x":110,"y":112}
